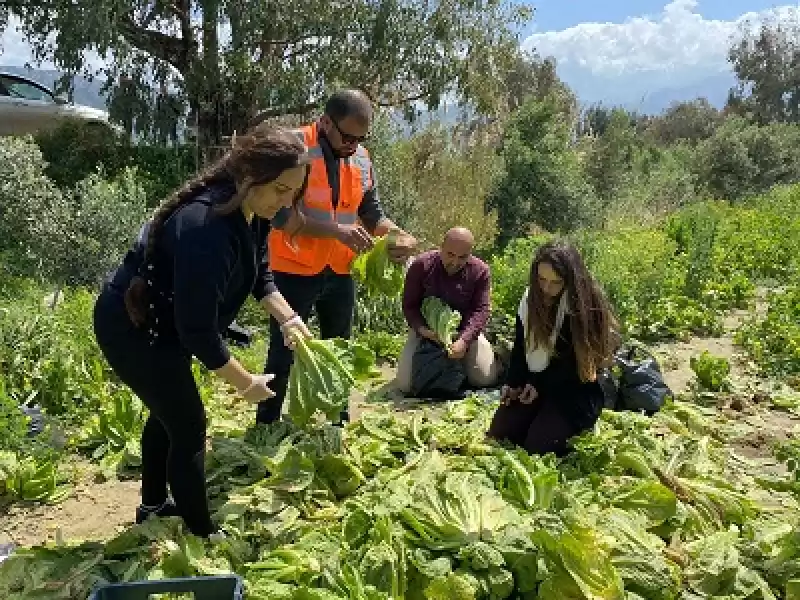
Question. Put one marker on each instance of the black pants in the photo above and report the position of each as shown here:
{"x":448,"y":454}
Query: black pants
{"x":173,"y":441}
{"x":333,"y":298}
{"x":539,"y":427}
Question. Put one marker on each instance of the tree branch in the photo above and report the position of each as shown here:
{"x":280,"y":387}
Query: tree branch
{"x":165,"y":47}
{"x":277,"y":111}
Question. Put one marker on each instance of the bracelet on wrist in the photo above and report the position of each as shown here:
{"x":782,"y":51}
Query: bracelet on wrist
{"x":293,"y":316}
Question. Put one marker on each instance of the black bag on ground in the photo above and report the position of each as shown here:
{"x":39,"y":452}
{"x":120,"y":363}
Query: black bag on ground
{"x":634,"y":381}
{"x":434,"y":374}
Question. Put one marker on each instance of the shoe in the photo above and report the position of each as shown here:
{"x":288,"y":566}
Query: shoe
{"x":344,"y":418}
{"x":168,"y":509}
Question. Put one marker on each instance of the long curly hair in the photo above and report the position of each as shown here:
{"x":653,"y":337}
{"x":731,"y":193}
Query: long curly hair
{"x":255,"y":158}
{"x":591,"y":318}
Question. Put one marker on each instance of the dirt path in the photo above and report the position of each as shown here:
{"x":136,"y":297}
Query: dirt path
{"x":93,"y":511}
{"x":99,"y":510}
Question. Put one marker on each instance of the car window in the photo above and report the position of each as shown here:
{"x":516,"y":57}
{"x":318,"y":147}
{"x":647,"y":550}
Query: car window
{"x":18,"y":88}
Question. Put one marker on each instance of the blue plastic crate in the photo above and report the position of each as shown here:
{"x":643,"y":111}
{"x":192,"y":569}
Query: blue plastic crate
{"x":219,"y":587}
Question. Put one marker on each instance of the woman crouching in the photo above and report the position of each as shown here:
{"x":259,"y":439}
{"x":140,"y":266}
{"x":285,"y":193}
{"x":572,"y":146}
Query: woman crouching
{"x":564,"y":333}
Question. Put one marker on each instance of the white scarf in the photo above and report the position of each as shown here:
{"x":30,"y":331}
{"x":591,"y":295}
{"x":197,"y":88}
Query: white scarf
{"x":538,"y":354}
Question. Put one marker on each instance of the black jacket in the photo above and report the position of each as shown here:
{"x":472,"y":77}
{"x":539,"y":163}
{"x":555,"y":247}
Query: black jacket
{"x":559,"y":382}
{"x":203,"y":268}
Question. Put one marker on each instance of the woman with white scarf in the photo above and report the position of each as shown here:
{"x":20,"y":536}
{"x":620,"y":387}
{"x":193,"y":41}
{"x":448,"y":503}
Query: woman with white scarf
{"x":564,"y":334}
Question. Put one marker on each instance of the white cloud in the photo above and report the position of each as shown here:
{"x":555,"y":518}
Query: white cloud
{"x":679,"y":39}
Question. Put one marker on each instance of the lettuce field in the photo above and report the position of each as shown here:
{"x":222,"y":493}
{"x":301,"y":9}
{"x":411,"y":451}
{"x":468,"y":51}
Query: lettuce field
{"x":409,"y":500}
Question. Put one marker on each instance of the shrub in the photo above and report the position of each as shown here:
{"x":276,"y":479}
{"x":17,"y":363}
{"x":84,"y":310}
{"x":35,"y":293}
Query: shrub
{"x":32,"y":210}
{"x":75,"y":151}
{"x":105,"y":216}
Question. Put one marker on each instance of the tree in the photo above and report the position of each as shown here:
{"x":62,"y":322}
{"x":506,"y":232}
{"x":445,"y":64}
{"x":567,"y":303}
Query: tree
{"x":543,"y":184}
{"x":610,"y":161}
{"x":692,"y":121}
{"x":767,"y":65}
{"x":228,"y":59}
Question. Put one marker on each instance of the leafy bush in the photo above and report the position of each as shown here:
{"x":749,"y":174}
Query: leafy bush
{"x":743,"y":159}
{"x":104,"y":218}
{"x":32,"y":210}
{"x":436,"y":179}
{"x":76,"y":151}
{"x":711,"y":371}
{"x":49,"y":356}
{"x":774,"y":340}
{"x":543,"y":182}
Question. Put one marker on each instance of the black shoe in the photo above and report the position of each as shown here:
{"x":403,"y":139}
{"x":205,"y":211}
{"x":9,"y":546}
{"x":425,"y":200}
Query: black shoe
{"x":344,"y":418}
{"x":168,"y":509}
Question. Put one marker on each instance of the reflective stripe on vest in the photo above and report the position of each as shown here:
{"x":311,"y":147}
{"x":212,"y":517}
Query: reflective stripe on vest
{"x":306,"y":255}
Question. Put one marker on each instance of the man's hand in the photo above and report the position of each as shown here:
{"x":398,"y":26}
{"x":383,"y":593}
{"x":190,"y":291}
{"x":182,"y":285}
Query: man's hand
{"x":402,"y":245}
{"x":355,"y":237}
{"x":457,"y":350}
{"x":428,"y":334}
{"x":525,"y":395}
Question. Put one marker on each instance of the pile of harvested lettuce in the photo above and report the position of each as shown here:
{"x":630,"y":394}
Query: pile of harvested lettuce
{"x":416,"y":506}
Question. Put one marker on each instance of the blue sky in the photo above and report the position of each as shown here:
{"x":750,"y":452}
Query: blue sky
{"x":645,"y":54}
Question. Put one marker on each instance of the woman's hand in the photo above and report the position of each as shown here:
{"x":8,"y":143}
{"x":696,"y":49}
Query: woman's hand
{"x":292,"y":329}
{"x":258,"y":389}
{"x":525,"y":395}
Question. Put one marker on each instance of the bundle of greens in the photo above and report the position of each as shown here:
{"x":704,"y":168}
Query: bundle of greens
{"x":375,"y":272}
{"x":323,"y":375}
{"x":441,"y":319}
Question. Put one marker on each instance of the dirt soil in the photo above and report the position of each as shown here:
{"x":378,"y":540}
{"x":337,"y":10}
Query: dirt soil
{"x":93,"y":511}
{"x":99,"y":510}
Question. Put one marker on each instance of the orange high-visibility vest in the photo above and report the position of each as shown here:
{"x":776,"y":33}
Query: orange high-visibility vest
{"x":311,"y":255}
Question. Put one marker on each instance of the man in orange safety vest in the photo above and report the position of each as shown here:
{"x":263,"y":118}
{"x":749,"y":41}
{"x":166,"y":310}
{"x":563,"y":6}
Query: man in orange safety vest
{"x":341,"y":213}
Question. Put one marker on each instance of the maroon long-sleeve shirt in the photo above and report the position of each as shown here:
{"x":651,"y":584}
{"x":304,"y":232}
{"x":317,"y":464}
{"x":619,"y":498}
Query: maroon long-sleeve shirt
{"x":467,"y":292}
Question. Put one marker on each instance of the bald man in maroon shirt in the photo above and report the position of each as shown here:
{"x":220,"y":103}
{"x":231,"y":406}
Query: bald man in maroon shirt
{"x":462,"y":281}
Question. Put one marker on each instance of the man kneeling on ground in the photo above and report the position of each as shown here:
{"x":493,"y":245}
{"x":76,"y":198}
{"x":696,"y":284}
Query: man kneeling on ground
{"x":461,"y":281}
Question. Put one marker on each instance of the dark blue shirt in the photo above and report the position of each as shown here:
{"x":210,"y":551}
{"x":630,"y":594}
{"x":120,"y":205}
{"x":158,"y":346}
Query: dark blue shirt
{"x":204,"y":266}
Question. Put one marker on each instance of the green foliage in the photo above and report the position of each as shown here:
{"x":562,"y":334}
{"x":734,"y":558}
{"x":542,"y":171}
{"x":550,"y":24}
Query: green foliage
{"x":437,"y":178}
{"x":711,"y":371}
{"x":49,"y":356}
{"x":105,"y":217}
{"x":13,"y":422}
{"x":371,"y":511}
{"x":676,"y":277}
{"x":543,"y":183}
{"x":441,"y":319}
{"x":401,"y":52}
{"x":774,"y":340}
{"x":376,"y":274}
{"x":71,"y":236}
{"x":742,"y":159}
{"x":385,"y":346}
{"x":609,"y":164}
{"x":32,"y":211}
{"x":75,"y":151}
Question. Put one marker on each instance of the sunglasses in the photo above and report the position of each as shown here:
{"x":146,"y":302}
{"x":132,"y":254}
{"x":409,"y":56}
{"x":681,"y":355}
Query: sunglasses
{"x":349,"y":138}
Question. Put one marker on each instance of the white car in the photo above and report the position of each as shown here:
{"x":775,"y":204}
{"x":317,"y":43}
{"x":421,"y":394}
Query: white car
{"x":29,"y":107}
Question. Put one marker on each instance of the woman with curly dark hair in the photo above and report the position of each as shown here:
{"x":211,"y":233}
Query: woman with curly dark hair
{"x":178,"y":288}
{"x":564,"y":334}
